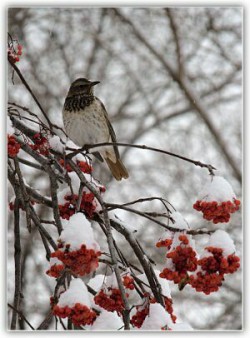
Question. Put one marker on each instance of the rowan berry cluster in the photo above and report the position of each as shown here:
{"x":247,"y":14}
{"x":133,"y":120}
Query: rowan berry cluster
{"x":55,"y":270}
{"x":213,"y":269}
{"x":218,"y":263}
{"x":110,"y":299}
{"x":140,"y":315}
{"x":81,"y":262}
{"x":206,"y":282}
{"x":128,"y":282}
{"x":169,"y":308}
{"x":88,"y":205}
{"x":164,"y":243}
{"x":15,"y":53}
{"x":13,"y":146}
{"x":84,"y":166}
{"x":142,"y":311}
{"x":41,"y":144}
{"x":218,"y":212}
{"x":183,"y":258}
{"x":79,"y":314}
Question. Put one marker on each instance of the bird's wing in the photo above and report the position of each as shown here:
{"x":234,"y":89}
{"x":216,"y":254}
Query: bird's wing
{"x":111,"y":130}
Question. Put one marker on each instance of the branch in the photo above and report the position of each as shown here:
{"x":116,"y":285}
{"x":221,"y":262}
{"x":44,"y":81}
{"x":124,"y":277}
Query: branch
{"x":174,"y":29}
{"x":21,"y":315}
{"x":145,"y":263}
{"x":20,"y":192}
{"x":110,"y":240}
{"x":87,"y":147}
{"x":18,"y":272}
{"x":14,"y":66}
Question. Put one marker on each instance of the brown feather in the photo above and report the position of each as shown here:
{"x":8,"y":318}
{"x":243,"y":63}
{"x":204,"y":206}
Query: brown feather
{"x":117,"y":169}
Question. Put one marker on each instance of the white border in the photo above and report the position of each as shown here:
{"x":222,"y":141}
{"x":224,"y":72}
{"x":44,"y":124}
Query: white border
{"x":246,"y":130}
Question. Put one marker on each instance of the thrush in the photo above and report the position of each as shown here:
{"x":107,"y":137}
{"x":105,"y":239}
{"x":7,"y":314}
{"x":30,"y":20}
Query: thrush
{"x":86,"y":122}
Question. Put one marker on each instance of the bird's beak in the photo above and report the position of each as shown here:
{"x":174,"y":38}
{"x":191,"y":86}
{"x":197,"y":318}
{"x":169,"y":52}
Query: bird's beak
{"x":93,"y":83}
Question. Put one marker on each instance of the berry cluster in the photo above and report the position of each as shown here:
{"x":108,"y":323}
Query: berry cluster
{"x":13,"y":54}
{"x":218,"y":212}
{"x":213,"y":269}
{"x":143,"y":310}
{"x":218,"y":263}
{"x":164,"y":243}
{"x":169,"y":308}
{"x":140,"y":315}
{"x":81,"y":262}
{"x":41,"y":144}
{"x":55,"y":270}
{"x":183,"y":258}
{"x":206,"y":282}
{"x":87,"y":206}
{"x":84,"y":166}
{"x":13,"y":146}
{"x":79,"y":314}
{"x":128,"y":282}
{"x":110,"y":299}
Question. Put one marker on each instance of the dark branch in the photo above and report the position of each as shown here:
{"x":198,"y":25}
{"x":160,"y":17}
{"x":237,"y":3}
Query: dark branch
{"x":86,"y":148}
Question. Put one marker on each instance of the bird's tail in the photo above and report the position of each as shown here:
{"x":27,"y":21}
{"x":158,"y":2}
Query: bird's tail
{"x":117,"y":168}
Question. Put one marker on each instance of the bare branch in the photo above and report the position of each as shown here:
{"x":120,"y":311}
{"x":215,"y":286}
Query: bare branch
{"x":18,"y":272}
{"x":119,"y":144}
{"x":14,"y":66}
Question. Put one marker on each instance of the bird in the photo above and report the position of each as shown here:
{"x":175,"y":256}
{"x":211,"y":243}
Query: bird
{"x":86,"y":122}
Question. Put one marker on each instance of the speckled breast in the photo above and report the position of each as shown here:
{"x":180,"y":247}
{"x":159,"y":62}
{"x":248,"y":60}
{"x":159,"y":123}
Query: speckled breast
{"x":85,"y":125}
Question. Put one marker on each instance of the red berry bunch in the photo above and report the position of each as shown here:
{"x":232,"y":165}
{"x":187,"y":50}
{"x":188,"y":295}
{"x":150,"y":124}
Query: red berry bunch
{"x":110,"y":299}
{"x":79,"y":314}
{"x":81,"y":262}
{"x":164,"y":243}
{"x":84,"y":166}
{"x":55,"y":270}
{"x":128,"y":282}
{"x":218,"y":212}
{"x":13,"y":146}
{"x":13,"y":54}
{"x":213,"y":269}
{"x":87,"y":206}
{"x":140,"y":315}
{"x":183,"y":258}
{"x":41,"y":144}
{"x":206,"y":282}
{"x":143,"y":310}
{"x":169,"y":308}
{"x":218,"y":263}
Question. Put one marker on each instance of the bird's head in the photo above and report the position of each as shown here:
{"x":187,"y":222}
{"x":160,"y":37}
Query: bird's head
{"x":82,"y":86}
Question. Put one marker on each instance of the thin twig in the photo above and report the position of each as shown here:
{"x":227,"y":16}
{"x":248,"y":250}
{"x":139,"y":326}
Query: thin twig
{"x":86,"y":148}
{"x":80,"y":194}
{"x":46,"y":322}
{"x":145,"y":263}
{"x":54,"y":200}
{"x":174,"y":28}
{"x":21,"y":315}
{"x":14,"y":66}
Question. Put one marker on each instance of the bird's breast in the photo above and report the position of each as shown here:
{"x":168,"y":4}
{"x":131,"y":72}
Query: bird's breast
{"x":86,"y":126}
